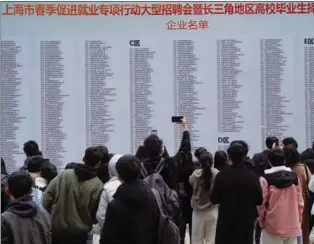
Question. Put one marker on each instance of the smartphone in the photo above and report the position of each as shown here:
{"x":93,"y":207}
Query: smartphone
{"x":176,"y":119}
{"x":154,"y":132}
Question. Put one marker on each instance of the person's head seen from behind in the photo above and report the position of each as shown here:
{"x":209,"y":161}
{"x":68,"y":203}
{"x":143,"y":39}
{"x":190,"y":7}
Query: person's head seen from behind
{"x":290,"y":141}
{"x":31,"y":148}
{"x":276,"y":157}
{"x":220,"y":160}
{"x":236,"y":154}
{"x":19,"y":185}
{"x":154,"y":147}
{"x":292,"y":156}
{"x":128,"y":168}
{"x":243,"y":144}
{"x":93,"y":158}
{"x":271,"y":141}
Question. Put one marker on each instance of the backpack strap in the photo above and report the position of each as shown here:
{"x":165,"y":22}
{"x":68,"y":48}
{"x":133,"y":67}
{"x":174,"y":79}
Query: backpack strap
{"x":160,"y":166}
{"x":143,"y":170}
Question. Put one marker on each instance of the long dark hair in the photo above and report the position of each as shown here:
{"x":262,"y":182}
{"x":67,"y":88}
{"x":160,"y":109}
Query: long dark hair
{"x":206,"y":160}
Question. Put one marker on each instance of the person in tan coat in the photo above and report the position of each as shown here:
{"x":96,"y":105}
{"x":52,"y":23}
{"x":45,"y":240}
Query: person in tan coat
{"x":292,"y":158}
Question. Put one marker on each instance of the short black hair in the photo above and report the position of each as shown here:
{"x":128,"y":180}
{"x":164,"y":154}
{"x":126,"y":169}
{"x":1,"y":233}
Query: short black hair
{"x":70,"y":165}
{"x":35,"y":164}
{"x":290,"y":141}
{"x":270,"y":140}
{"x":153,"y":145}
{"x":199,"y":151}
{"x":31,"y":148}
{"x":236,"y":153}
{"x":276,"y":157}
{"x":128,"y":167}
{"x":48,"y":170}
{"x":243,"y":144}
{"x":20,"y":184}
{"x":92,"y":156}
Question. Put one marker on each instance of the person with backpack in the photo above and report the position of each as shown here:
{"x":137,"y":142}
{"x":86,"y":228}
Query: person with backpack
{"x":169,"y":169}
{"x":293,"y":161}
{"x":238,"y":193}
{"x":175,"y":172}
{"x":205,"y":214}
{"x":133,"y":215}
{"x":280,"y":216}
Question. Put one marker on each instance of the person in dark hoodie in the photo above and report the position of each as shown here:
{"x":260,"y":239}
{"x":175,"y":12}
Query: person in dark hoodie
{"x":132,"y":216}
{"x":72,"y":198}
{"x":23,"y":222}
{"x":31,"y":150}
{"x":280,"y":216}
{"x":307,"y":158}
{"x":238,"y":193}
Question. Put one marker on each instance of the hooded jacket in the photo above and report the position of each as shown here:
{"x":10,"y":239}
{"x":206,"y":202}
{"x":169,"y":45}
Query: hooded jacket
{"x":72,"y":198}
{"x":110,"y":189}
{"x":200,"y":198}
{"x":25,"y":223}
{"x":281,"y":211}
{"x":132,"y":216}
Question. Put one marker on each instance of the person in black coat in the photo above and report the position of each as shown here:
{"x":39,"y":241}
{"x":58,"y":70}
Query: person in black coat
{"x":132,"y":216}
{"x":238,"y":192}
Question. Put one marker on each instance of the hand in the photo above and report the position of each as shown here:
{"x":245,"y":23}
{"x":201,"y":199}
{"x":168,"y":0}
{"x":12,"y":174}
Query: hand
{"x":184,"y":124}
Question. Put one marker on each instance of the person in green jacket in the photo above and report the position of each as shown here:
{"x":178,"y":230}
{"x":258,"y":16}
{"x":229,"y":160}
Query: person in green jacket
{"x":72,"y":198}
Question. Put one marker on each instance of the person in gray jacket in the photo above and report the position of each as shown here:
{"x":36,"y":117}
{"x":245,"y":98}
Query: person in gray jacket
{"x":23,"y":222}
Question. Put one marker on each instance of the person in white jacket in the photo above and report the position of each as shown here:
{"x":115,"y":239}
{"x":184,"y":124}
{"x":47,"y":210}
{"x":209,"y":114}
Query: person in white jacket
{"x":107,"y":195}
{"x":311,"y":188}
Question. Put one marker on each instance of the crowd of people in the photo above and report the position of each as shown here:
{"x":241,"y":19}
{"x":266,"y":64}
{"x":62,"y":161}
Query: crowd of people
{"x":152,"y":197}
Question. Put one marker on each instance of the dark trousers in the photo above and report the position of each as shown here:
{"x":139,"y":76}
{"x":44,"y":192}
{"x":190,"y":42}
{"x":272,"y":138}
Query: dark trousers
{"x":69,"y":239}
{"x":258,"y":232}
{"x":186,"y":219}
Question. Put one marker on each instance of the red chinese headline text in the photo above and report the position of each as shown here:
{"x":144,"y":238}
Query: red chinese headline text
{"x":171,"y":9}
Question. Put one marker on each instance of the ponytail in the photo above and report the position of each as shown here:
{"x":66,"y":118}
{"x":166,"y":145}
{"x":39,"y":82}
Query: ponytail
{"x":206,"y":161}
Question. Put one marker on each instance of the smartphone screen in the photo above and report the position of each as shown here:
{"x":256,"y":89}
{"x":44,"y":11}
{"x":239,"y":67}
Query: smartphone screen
{"x":176,"y":119}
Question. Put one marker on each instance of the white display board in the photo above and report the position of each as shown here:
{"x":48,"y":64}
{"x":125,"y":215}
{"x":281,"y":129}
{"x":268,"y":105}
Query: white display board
{"x":80,"y":74}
